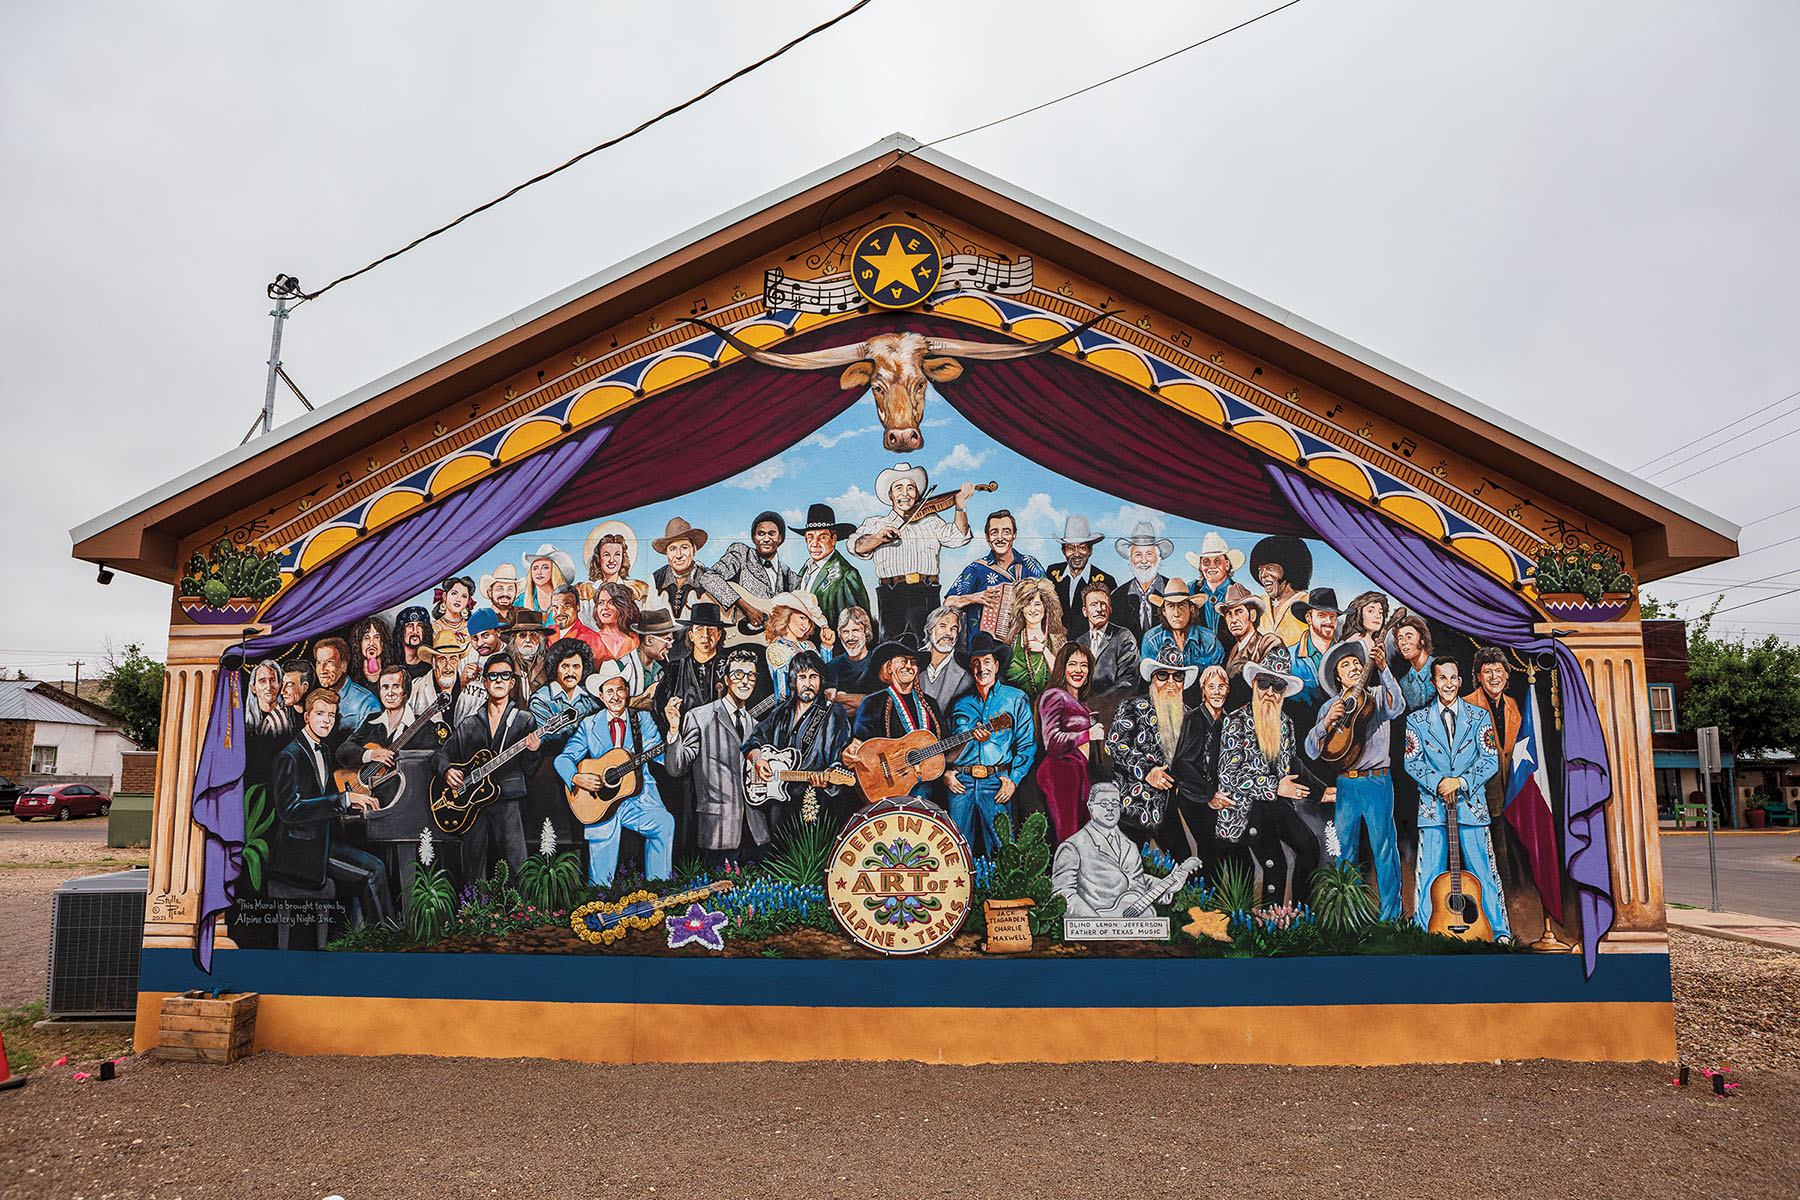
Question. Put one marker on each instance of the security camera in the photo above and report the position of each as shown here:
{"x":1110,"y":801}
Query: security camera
{"x":104,"y":577}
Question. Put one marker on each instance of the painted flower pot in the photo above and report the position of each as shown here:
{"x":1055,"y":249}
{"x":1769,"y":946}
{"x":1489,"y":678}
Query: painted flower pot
{"x":1573,"y":606}
{"x":238,"y":610}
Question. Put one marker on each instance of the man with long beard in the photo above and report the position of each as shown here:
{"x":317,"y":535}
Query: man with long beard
{"x":1259,"y":784}
{"x":814,"y":727}
{"x":1142,"y":741}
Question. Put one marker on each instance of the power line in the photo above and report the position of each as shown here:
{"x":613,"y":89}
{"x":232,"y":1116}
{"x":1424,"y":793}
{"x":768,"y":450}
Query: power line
{"x":630,"y":133}
{"x":1639,"y":470}
{"x":1111,"y":78}
{"x":1780,"y":437}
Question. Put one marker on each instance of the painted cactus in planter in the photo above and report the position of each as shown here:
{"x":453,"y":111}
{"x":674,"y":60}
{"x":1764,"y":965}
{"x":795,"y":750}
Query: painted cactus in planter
{"x":1583,"y":583}
{"x":227,"y":585}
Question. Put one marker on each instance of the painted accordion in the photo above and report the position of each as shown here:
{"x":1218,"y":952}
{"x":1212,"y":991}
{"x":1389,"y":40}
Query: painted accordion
{"x":997,"y":610}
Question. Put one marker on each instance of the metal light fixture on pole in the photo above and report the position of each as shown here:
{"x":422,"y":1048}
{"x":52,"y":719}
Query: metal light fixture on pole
{"x":1709,"y":766}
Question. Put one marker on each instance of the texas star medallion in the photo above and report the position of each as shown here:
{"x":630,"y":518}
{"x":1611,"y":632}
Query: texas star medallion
{"x":895,"y":266}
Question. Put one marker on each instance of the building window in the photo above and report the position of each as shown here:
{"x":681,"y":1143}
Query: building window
{"x":1662,"y":708}
{"x":43,"y":760}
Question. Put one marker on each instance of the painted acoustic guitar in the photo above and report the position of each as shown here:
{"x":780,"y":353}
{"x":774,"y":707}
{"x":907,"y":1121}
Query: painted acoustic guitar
{"x":372,"y":776}
{"x":1345,"y":738}
{"x":1456,"y":895}
{"x":889,"y":767}
{"x":620,"y":776}
{"x":454,"y":809}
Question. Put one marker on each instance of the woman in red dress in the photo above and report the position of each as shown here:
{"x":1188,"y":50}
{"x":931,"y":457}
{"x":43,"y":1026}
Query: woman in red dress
{"x":1069,"y":729}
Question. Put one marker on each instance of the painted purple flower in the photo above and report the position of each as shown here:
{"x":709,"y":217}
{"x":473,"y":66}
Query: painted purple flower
{"x":698,"y":925}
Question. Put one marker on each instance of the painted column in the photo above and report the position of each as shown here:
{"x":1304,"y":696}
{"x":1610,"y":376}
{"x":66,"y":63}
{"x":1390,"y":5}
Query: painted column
{"x":177,"y":845}
{"x":1612,"y":658}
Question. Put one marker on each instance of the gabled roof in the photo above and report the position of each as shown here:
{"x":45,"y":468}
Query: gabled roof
{"x":1668,"y":534}
{"x":20,"y":700}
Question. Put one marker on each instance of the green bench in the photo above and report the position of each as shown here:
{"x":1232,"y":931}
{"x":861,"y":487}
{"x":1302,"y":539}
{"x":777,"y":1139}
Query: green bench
{"x":1780,"y":813}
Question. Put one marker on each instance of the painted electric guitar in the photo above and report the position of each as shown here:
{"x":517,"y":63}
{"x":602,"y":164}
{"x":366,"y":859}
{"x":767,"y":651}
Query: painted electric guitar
{"x":607,"y":921}
{"x":889,"y":767}
{"x":373,"y":775}
{"x":620,"y":776}
{"x":454,"y":809}
{"x":1456,"y":894}
{"x":784,"y":763}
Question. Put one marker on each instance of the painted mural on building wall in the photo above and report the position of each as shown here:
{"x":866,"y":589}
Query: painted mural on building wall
{"x":897,"y":688}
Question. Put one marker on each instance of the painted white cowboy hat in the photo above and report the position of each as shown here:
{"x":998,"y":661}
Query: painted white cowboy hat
{"x":884,"y":482}
{"x":609,"y":670}
{"x":1275,"y":665}
{"x":504,"y":573}
{"x":1214,"y":543}
{"x":609,"y":527}
{"x":805,"y":602}
{"x":559,"y":558}
{"x":1169,"y":660}
{"x":1076,"y":532}
{"x":1144,"y":535}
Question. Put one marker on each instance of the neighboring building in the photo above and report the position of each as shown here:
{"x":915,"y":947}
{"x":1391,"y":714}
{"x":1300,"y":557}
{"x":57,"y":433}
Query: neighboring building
{"x":1677,"y":760}
{"x":46,"y":734}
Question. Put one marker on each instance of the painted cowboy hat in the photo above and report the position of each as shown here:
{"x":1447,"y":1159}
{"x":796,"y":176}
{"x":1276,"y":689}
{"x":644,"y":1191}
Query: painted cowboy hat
{"x":1213,"y":543}
{"x":703,"y":614}
{"x":1144,"y":535}
{"x":982,"y":643}
{"x":1290,"y":554}
{"x":1275,"y":665}
{"x":504,"y":573}
{"x":560,"y":558}
{"x":658,"y":621}
{"x":1237,"y":594}
{"x":1076,"y":532}
{"x":1354,"y":648}
{"x":804,"y":602}
{"x":884,"y":482}
{"x":905,"y":645}
{"x":1169,"y":660}
{"x":1175,"y":591}
{"x":678,"y":530}
{"x":822,"y":517}
{"x":605,"y":529}
{"x":608,"y":671}
{"x":444,"y":644}
{"x":524,"y":620}
{"x":1318,"y":600}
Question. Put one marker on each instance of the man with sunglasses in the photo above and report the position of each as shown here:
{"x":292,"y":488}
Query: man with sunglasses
{"x":710,"y":748}
{"x":496,"y":726}
{"x":1260,"y":784}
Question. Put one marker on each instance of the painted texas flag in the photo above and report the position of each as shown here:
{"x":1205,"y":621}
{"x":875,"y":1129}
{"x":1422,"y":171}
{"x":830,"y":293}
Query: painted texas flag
{"x":1528,"y":808}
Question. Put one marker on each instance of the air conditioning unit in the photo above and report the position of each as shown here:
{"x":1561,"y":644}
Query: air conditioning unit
{"x":96,"y":937}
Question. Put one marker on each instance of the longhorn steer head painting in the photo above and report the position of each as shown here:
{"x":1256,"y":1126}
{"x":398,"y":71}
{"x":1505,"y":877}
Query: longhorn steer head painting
{"x":895,"y":366}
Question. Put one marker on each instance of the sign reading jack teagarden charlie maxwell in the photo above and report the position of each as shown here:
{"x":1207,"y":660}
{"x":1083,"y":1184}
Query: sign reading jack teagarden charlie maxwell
{"x":903,"y":599}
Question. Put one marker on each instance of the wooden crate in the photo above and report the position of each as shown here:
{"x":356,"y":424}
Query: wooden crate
{"x":195,"y":1027}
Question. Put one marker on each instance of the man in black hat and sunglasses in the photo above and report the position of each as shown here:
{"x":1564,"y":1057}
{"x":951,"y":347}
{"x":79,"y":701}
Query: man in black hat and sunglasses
{"x":499,"y":828}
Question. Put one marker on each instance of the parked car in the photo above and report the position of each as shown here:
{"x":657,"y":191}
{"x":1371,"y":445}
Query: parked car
{"x":9,"y":792}
{"x":62,"y":801}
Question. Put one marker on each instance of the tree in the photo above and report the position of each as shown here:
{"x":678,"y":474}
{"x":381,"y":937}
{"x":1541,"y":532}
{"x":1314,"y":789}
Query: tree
{"x":134,"y":685}
{"x":1750,"y":690}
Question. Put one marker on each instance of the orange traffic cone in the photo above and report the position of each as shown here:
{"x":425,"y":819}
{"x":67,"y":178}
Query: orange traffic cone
{"x":7,"y":1078}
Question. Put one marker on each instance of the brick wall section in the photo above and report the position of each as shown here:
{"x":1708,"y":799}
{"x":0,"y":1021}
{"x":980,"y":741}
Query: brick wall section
{"x":1666,"y":661}
{"x":137,"y":774}
{"x":15,"y":747}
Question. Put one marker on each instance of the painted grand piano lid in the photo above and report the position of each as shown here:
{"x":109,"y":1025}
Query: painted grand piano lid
{"x":145,"y":536}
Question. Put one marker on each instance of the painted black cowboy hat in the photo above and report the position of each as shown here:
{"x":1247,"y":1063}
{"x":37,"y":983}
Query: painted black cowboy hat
{"x":1354,"y":648}
{"x":703,"y":615}
{"x":1291,"y":554}
{"x":524,"y":620}
{"x":1318,"y":600}
{"x":904,"y":646}
{"x":822,"y":517}
{"x":986,"y":643}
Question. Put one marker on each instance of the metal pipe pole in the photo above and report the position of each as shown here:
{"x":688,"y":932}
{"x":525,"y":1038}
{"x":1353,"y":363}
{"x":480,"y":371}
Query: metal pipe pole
{"x":1712,"y":851}
{"x":280,"y":314}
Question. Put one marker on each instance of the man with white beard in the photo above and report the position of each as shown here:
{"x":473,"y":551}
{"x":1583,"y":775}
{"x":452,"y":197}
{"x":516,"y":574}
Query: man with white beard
{"x":943,"y":679}
{"x":1259,"y":784}
{"x":1143,"y":551}
{"x":1142,"y":741}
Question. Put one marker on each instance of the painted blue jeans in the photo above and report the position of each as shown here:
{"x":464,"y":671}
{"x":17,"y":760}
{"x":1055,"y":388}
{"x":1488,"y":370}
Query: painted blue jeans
{"x":978,"y":803}
{"x":643,"y":814}
{"x":1368,"y":803}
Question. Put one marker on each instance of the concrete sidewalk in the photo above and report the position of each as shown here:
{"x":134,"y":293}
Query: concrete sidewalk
{"x":1737,"y":927}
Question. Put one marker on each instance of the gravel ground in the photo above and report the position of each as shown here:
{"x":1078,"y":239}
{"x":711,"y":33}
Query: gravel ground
{"x":1735,"y":1003}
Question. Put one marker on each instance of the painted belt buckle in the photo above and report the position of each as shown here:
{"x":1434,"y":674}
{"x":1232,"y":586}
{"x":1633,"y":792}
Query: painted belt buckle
{"x":978,"y":771}
{"x":915,"y":578}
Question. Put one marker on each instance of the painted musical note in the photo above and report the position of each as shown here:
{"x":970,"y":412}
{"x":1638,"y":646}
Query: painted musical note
{"x":474,"y":410}
{"x":1480,"y":489}
{"x":698,"y":307}
{"x":615,"y":342}
{"x":1334,"y":410}
{"x":344,"y":480}
{"x":1406,"y":446}
{"x":1184,"y":340}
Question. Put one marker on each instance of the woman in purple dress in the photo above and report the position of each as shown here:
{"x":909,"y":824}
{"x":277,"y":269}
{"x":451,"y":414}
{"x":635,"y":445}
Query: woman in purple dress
{"x":1070,"y":730}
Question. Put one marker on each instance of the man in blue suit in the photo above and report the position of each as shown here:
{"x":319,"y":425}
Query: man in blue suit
{"x":617,"y":727}
{"x":1452,"y":752}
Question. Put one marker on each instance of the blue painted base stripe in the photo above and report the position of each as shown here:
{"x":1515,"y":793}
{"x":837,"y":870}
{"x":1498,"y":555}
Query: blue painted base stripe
{"x":865,"y":983}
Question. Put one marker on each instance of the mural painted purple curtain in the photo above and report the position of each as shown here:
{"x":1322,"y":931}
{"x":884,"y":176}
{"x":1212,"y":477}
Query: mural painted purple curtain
{"x":380,"y":571}
{"x":1434,"y":583}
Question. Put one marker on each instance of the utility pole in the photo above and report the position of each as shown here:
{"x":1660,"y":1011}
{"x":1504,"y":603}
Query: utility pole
{"x":77,"y":665}
{"x":285,"y":288}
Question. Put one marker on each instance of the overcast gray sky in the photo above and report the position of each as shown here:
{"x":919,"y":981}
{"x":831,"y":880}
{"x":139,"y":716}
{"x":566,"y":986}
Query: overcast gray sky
{"x":1580,"y":213}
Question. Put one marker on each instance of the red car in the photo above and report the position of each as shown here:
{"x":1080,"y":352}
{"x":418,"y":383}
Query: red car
{"x":62,"y":801}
